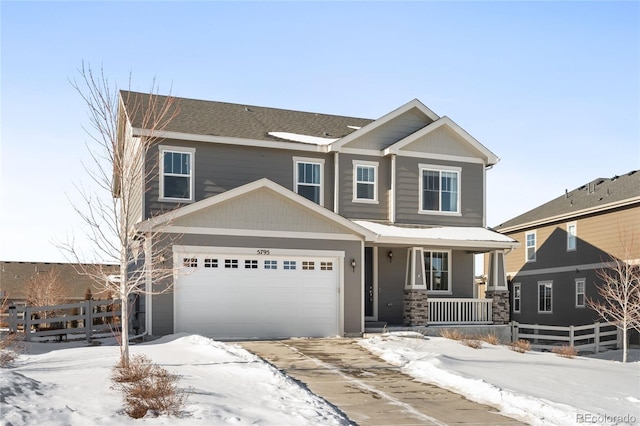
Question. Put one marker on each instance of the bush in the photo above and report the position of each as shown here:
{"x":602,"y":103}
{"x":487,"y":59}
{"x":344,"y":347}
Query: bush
{"x":521,"y":346}
{"x":565,"y":351}
{"x":472,"y":343}
{"x":452,"y":333}
{"x":147,"y":388}
{"x":490,"y":338}
{"x":10,"y":348}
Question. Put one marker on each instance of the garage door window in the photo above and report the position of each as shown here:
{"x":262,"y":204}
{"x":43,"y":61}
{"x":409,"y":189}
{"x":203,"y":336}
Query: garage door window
{"x":250,"y":264}
{"x":190,"y":262}
{"x":270,"y":264}
{"x":308,"y":266}
{"x":211,"y":263}
{"x":289,"y":264}
{"x":231,"y":263}
{"x":326,"y":266}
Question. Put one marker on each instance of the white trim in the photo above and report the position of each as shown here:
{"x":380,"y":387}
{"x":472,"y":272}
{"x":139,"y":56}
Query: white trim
{"x":544,"y":283}
{"x":336,"y":182}
{"x":362,"y":287}
{"x":362,"y":151}
{"x":392,"y":191}
{"x":162,"y":150}
{"x":439,"y":168}
{"x":513,"y":299}
{"x":583,"y":281}
{"x":433,"y":156}
{"x":370,"y":164}
{"x":449,"y":290}
{"x":148,"y":284}
{"x":375,"y":283}
{"x":526,"y":246}
{"x":559,"y":269}
{"x":572,"y":236}
{"x":196,"y":230}
{"x":309,"y":160}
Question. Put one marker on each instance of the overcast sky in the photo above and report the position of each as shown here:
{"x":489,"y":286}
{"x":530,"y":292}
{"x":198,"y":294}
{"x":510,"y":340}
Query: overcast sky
{"x":552,"y":88}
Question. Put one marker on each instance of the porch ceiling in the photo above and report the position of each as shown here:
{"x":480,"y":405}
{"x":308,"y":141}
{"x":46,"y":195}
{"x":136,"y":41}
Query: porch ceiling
{"x":470,"y":238}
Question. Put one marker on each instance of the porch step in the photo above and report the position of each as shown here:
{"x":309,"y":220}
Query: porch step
{"x":375,"y":326}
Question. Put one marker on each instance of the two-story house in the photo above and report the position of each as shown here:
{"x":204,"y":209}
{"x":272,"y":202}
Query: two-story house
{"x":289,"y":223}
{"x":565,"y":242}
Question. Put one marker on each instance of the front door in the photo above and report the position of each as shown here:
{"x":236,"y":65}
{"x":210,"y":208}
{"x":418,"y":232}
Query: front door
{"x":369,"y":293}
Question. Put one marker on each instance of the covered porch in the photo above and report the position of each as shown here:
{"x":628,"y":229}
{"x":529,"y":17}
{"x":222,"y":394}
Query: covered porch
{"x":418,"y":276}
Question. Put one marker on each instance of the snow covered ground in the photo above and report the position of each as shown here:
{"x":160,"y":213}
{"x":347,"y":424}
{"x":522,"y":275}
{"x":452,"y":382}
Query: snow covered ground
{"x":535,"y":387}
{"x":68,"y":383}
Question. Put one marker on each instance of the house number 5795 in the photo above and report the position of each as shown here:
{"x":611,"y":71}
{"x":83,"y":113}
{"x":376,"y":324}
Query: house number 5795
{"x":264,"y":252}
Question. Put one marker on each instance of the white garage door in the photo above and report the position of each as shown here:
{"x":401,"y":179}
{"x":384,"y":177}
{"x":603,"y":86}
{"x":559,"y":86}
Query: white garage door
{"x":257,"y":295}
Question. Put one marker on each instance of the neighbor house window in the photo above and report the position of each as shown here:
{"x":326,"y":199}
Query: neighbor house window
{"x":439,"y":190}
{"x":176,"y":173}
{"x":545,"y":296}
{"x":572,"y":231}
{"x":436,"y":268}
{"x":531,"y":246}
{"x":308,"y":178}
{"x":365,"y":181}
{"x":516,"y":297}
{"x":580,"y":286}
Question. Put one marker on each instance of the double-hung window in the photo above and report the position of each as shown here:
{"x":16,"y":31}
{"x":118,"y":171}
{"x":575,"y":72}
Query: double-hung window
{"x":439,"y":189}
{"x":572,"y":232}
{"x":176,"y":173}
{"x":580,"y":289}
{"x":436,"y":268}
{"x":530,"y":254}
{"x":517,"y":295}
{"x":545,"y":296}
{"x":308,"y":178}
{"x":365,"y":182}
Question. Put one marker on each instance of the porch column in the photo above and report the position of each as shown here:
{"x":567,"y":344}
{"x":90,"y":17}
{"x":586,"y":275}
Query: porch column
{"x":497,"y":289}
{"x":416,"y":306}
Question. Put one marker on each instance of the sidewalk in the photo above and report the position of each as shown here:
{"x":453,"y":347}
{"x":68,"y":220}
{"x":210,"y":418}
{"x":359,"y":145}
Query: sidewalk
{"x":366,"y":388}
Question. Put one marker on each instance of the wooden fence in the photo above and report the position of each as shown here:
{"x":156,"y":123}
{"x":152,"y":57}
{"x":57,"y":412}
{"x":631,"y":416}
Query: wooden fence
{"x":592,"y":337}
{"x":84,"y":318}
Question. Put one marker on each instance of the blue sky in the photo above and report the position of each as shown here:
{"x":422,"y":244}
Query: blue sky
{"x":553,"y":88}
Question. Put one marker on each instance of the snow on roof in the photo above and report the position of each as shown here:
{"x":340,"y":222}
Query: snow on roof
{"x":314,"y":140}
{"x":445,"y":233}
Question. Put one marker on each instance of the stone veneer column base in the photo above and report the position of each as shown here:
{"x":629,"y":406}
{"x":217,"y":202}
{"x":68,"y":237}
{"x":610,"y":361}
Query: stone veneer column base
{"x":416,"y":308}
{"x":500,"y":306}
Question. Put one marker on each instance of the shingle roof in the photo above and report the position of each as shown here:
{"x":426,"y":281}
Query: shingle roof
{"x":212,"y":118}
{"x":14,"y":276}
{"x":598,"y":193}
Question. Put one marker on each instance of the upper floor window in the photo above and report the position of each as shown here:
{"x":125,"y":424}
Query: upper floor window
{"x":439,"y":189}
{"x":530,"y":246}
{"x":308,"y":178}
{"x":572,"y":232}
{"x":365,"y":181}
{"x":176,"y":173}
{"x":436,"y":269}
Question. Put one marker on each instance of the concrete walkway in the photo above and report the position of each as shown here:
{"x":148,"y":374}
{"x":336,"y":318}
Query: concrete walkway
{"x":366,"y":388}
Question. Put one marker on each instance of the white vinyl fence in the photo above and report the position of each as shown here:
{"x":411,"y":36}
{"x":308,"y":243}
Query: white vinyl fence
{"x":82,"y":319}
{"x":592,"y":337}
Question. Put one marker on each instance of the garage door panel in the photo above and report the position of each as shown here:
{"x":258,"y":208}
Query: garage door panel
{"x":242,"y":296}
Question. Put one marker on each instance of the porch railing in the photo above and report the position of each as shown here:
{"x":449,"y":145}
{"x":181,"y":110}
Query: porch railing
{"x":460,"y":311}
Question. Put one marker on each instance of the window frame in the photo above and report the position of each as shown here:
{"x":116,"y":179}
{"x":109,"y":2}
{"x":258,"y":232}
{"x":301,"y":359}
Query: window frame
{"x":527,"y":247}
{"x":582,"y":281}
{"x":428,"y":283}
{"x":162,"y":150}
{"x":368,"y":164}
{"x":517,"y":296}
{"x":296,"y":183}
{"x":572,"y":237}
{"x":546,"y":284}
{"x":440,"y":169}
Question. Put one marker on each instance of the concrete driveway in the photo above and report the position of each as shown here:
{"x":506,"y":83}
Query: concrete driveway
{"x":367,"y":389}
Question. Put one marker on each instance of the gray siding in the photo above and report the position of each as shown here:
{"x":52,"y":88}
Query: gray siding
{"x":347,"y":207}
{"x":442,"y":141}
{"x":391,"y":132}
{"x":219,"y":168}
{"x":407,"y":194}
{"x":353,"y":315}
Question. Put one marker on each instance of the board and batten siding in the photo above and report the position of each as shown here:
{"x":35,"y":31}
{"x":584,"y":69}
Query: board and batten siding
{"x":391,"y":132}
{"x":219,"y":168}
{"x":407,"y":194}
{"x":364,"y":210}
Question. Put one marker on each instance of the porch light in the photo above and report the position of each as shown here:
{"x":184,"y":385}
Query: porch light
{"x":390,"y":256}
{"x":353,"y":264}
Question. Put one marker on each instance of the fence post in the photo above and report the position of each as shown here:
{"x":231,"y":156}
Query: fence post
{"x":88,"y":320}
{"x":13,"y":319}
{"x":27,"y":323}
{"x":514,"y":331}
{"x":596,"y":336}
{"x":572,"y":334}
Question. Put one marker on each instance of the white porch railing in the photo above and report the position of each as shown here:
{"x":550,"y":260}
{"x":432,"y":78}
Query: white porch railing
{"x":460,"y":311}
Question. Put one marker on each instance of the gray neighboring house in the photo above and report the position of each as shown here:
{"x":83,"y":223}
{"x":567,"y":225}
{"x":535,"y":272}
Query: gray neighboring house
{"x":291,"y":224}
{"x":564,"y":243}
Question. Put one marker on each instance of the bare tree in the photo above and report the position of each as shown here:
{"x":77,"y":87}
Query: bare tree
{"x":619,"y":291}
{"x":124,"y":127}
{"x":46,"y":289}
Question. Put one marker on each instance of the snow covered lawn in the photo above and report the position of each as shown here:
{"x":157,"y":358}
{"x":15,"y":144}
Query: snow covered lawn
{"x":535,"y":387}
{"x":68,"y":384}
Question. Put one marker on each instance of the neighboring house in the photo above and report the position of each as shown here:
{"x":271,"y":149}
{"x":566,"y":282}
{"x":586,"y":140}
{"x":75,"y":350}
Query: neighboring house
{"x":289,"y":223}
{"x":564,"y":243}
{"x":15,"y":276}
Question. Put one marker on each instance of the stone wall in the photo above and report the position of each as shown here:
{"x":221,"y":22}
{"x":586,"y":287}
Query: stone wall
{"x":416,"y":308}
{"x":500,"y":305}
